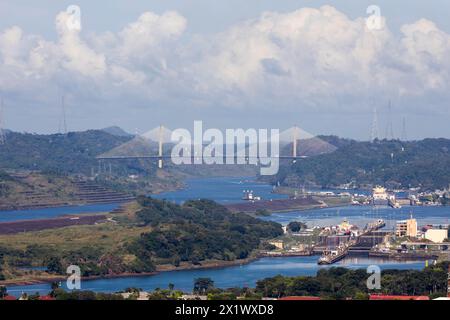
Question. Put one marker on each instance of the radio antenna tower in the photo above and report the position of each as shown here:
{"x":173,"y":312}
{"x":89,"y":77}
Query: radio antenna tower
{"x":374,"y":134}
{"x":2,"y":133}
{"x":63,"y":109}
{"x":390,"y":128}
{"x":404,"y":135}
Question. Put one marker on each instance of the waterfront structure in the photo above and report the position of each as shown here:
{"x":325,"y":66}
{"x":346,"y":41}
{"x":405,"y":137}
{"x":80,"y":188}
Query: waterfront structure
{"x":278,"y":244}
{"x":249,"y":196}
{"x":406,"y":228}
{"x":344,"y":228}
{"x":436,"y":235}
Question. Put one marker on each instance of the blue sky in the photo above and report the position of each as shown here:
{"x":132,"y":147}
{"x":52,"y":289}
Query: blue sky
{"x":252,"y":63}
{"x":205,"y":16}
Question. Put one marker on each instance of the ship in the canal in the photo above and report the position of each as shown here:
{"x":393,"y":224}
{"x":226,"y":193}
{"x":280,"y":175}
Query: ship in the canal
{"x":380,"y":196}
{"x":249,"y":196}
{"x":333,"y":256}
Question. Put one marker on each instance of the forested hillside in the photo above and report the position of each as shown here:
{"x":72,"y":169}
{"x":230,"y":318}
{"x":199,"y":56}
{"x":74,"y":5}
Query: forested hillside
{"x":74,"y":152}
{"x":155,"y":233}
{"x":198,"y":230}
{"x":422,"y":163}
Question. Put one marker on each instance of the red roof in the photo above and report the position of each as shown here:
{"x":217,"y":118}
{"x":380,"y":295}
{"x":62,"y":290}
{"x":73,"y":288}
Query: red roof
{"x":387,"y":297}
{"x":300,"y":298}
{"x":10,"y":298}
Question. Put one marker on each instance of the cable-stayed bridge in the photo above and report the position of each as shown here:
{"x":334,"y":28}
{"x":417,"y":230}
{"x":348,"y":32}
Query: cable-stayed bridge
{"x":150,"y":145}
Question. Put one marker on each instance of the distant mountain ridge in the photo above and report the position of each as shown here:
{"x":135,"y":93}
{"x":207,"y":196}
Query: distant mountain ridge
{"x":116,"y":131}
{"x":330,"y":161}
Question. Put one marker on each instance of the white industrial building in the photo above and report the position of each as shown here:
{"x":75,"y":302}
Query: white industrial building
{"x":436,"y":235}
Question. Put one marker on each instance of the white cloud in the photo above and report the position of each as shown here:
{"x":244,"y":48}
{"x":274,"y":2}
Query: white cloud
{"x":74,"y":54}
{"x":308,"y":57}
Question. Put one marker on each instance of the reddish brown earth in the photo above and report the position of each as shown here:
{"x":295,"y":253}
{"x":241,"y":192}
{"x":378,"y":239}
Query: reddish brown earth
{"x":37,"y":225}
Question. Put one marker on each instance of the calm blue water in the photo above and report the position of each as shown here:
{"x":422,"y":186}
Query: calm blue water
{"x":222,"y":190}
{"x":240,"y":276}
{"x":229,"y":190}
{"x":34,"y":214}
{"x":361,"y":215}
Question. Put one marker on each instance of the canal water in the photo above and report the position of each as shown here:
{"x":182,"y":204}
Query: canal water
{"x":361,"y":215}
{"x":222,"y":190}
{"x":236,"y":276}
{"x":229,"y":190}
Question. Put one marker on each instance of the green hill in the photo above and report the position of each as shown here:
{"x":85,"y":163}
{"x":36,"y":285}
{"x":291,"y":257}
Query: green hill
{"x":71,"y":153}
{"x":198,"y":230}
{"x":424,"y":163}
{"x":148,"y":234}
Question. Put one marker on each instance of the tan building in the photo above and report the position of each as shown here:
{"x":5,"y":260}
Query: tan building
{"x":406,"y":228}
{"x":277,"y":243}
{"x":436,"y":235}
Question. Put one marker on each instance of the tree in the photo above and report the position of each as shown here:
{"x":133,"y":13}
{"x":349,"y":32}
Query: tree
{"x":54,"y":266}
{"x":296,"y":226}
{"x":3,"y":292}
{"x":203,"y":285}
{"x":55,"y":287}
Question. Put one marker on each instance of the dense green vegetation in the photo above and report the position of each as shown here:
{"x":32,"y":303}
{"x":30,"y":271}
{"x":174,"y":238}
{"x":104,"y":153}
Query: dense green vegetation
{"x":60,"y":294}
{"x":422,"y":163}
{"x":74,"y":152}
{"x":192,"y":233}
{"x":334,"y":283}
{"x":74,"y":155}
{"x":198,"y":230}
{"x":296,"y":226}
{"x":341,"y":283}
{"x":5,"y":181}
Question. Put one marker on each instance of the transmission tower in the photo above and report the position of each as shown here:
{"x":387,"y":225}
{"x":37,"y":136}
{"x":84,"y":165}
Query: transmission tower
{"x":2,"y":133}
{"x":374,"y":133}
{"x":63,"y":123}
{"x":404,"y":135}
{"x":390,"y":127}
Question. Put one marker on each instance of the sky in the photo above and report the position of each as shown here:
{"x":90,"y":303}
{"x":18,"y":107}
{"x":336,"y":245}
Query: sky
{"x":232,"y":64}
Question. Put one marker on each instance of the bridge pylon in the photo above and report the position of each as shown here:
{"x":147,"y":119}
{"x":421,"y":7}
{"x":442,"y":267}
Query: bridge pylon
{"x":160,"y":144}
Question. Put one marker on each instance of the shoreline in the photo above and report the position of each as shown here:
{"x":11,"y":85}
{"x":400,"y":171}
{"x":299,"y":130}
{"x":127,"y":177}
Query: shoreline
{"x":166,"y":268}
{"x":66,"y":205}
{"x":162,"y":268}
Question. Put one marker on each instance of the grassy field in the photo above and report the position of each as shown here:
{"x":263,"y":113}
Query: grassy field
{"x":108,"y":236}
